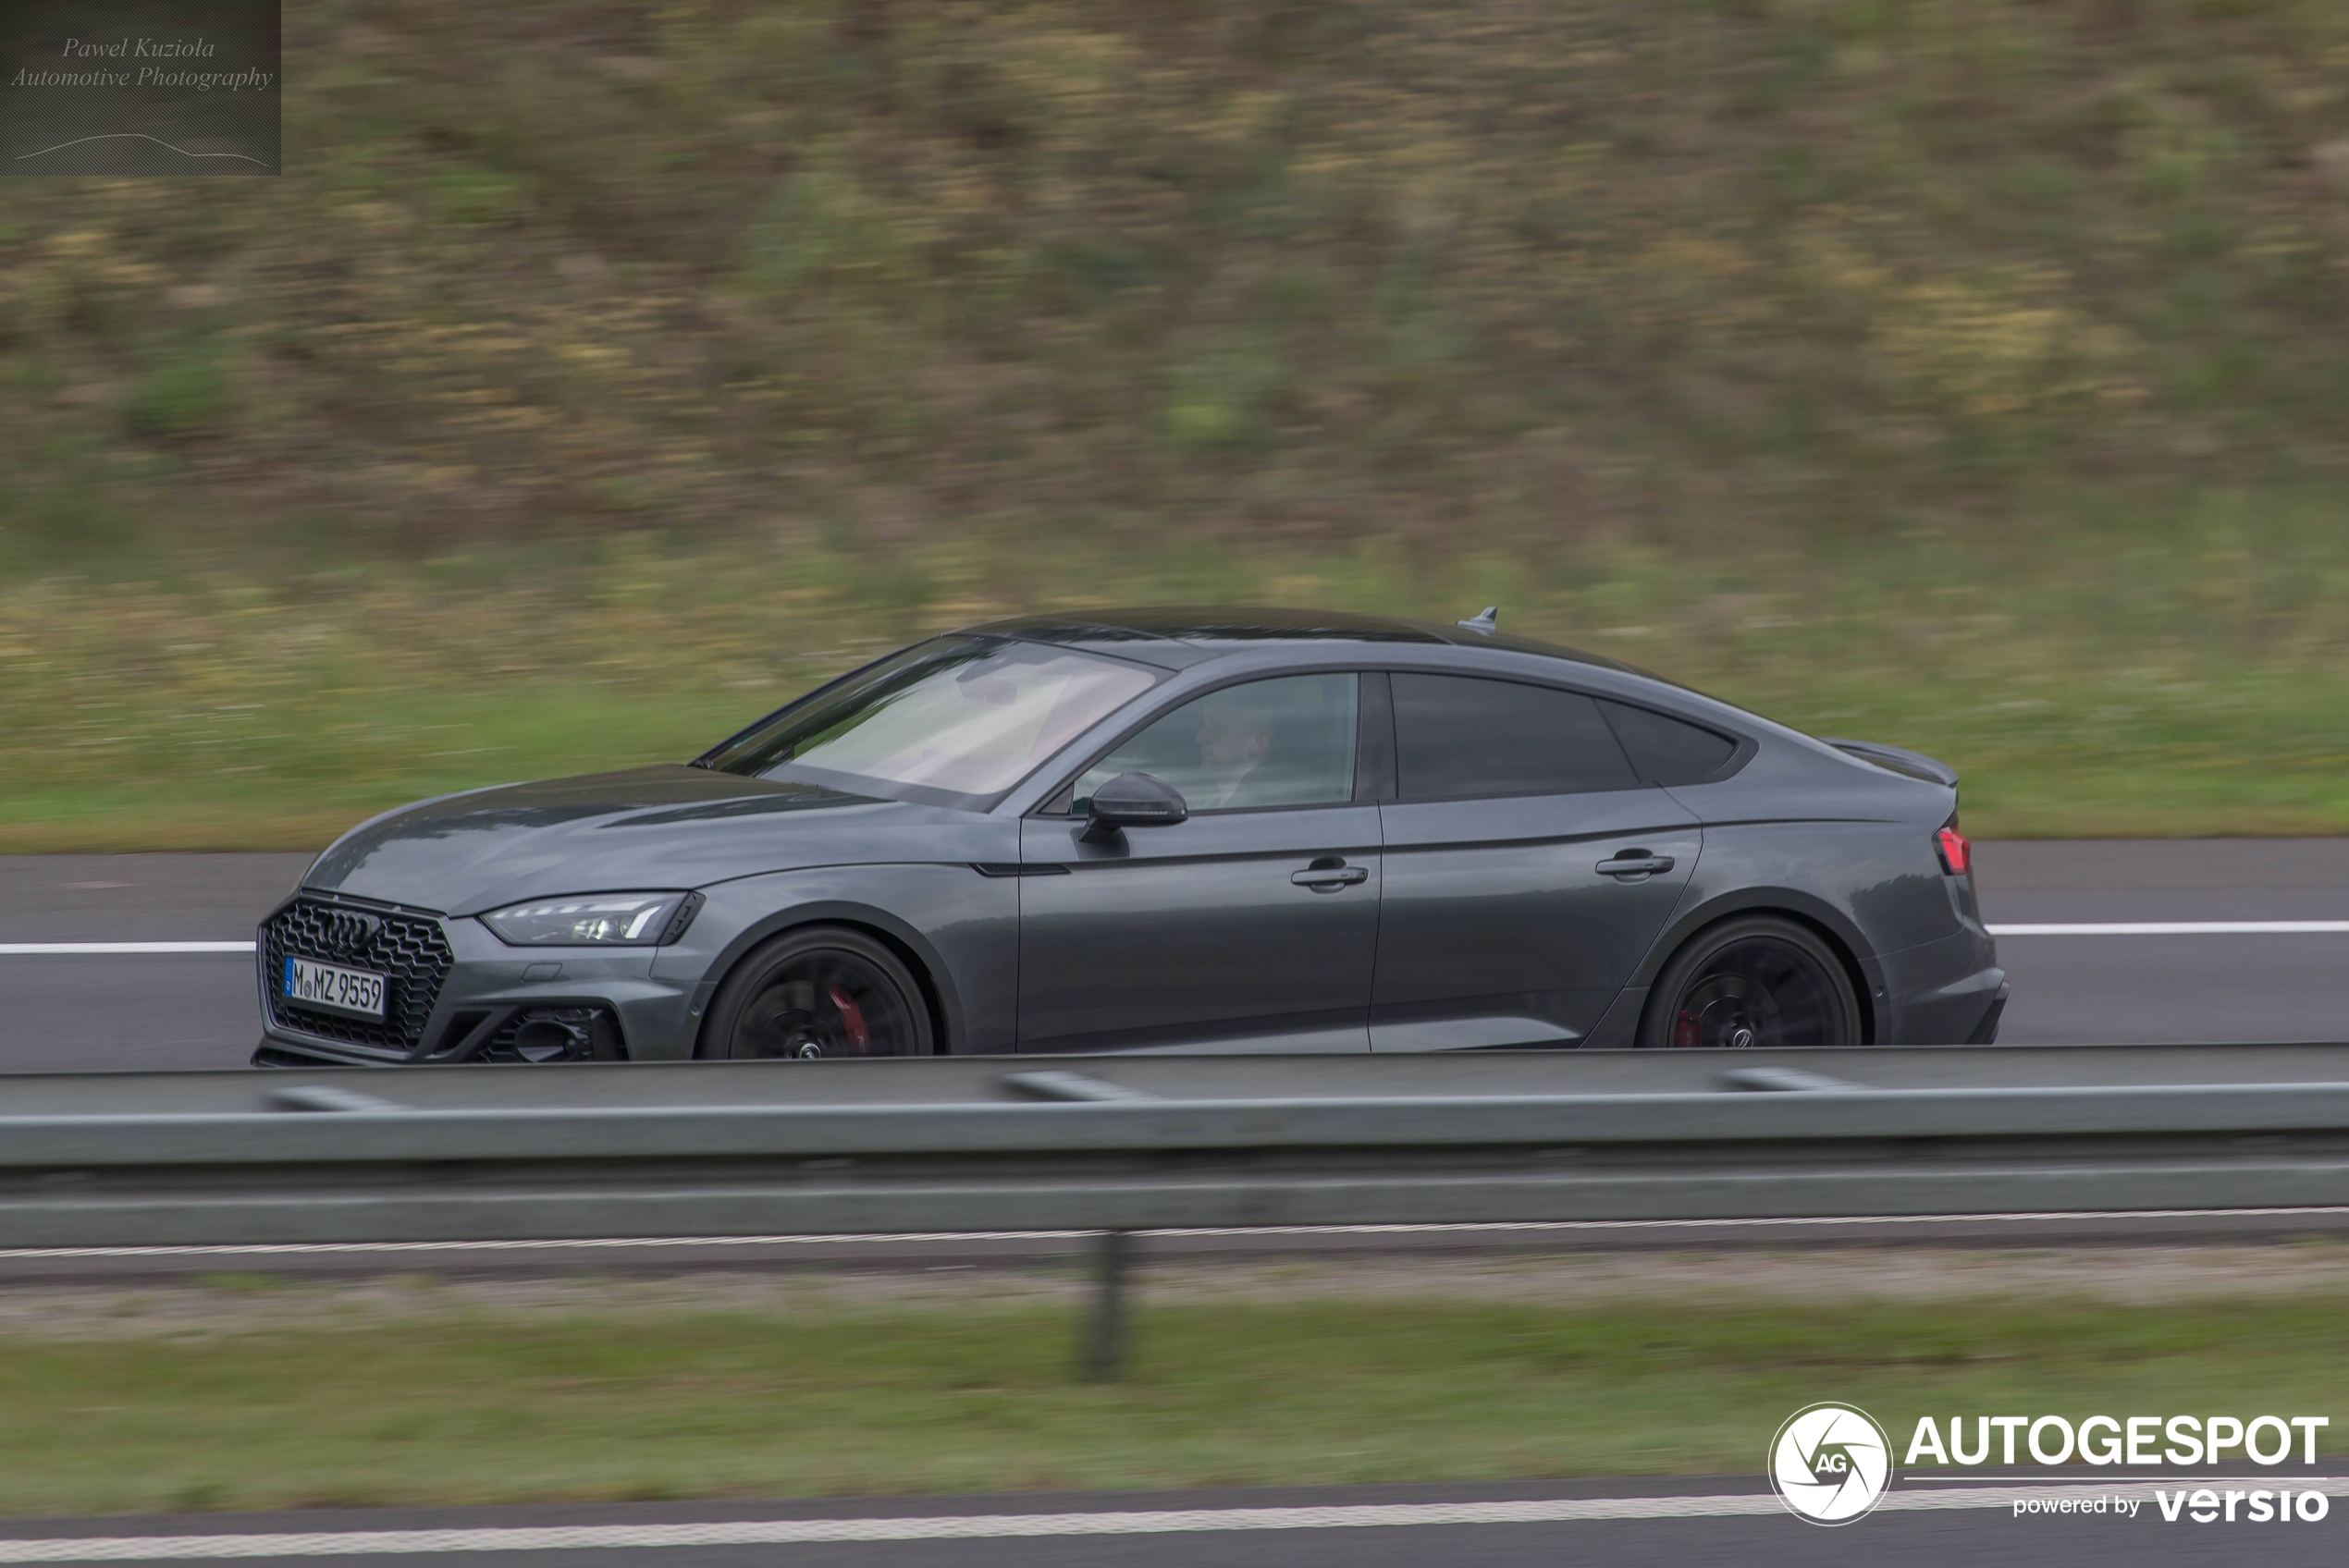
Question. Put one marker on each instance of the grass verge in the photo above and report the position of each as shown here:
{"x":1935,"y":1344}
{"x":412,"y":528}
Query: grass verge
{"x":466,"y":1405}
{"x":2099,"y":688}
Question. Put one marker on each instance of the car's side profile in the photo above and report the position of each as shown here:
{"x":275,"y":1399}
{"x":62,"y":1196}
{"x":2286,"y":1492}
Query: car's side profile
{"x":1163,"y":831}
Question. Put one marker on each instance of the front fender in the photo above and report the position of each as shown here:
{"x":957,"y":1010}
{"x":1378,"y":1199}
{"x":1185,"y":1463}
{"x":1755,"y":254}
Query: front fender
{"x":959,"y":932}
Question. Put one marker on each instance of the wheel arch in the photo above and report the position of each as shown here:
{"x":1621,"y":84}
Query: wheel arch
{"x":1841,"y":934}
{"x":922,"y":961}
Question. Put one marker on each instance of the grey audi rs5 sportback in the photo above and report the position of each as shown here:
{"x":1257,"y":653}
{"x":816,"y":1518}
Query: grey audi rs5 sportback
{"x":1163,"y":831}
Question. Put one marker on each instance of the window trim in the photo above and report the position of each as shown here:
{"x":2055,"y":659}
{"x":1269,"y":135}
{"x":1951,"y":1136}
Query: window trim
{"x":1377,"y":763}
{"x":1055,"y":805}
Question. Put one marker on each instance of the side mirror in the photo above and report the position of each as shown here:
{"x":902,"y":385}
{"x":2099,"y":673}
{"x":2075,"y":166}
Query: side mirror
{"x":1133,"y":799}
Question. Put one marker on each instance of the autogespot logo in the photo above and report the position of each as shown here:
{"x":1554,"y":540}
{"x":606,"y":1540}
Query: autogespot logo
{"x":1830,"y":1464}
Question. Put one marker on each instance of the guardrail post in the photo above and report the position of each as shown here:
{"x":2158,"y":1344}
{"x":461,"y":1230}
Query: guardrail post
{"x":1105,"y":1334}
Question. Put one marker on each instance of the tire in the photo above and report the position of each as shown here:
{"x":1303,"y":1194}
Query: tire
{"x":1751,"y":981}
{"x":819,"y":992}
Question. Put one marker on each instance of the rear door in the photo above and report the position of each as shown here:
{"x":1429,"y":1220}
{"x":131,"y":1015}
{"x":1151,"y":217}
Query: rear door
{"x":1250,"y":926}
{"x":1527,"y":870}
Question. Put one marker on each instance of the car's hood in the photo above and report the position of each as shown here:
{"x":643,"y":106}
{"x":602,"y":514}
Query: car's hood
{"x":648,"y":828}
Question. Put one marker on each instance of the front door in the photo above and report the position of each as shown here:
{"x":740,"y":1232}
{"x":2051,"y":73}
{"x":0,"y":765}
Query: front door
{"x":1250,"y":926}
{"x":1527,"y":869}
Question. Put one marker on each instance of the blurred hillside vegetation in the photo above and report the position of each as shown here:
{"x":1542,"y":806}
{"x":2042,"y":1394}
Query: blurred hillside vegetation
{"x":1972,"y":374}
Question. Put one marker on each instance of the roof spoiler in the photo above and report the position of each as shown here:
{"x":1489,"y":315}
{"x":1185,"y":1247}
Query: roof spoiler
{"x":1916,"y":765}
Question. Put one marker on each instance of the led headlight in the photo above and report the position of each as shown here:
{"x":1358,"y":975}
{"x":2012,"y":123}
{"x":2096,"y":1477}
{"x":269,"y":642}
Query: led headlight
{"x":601,"y":920}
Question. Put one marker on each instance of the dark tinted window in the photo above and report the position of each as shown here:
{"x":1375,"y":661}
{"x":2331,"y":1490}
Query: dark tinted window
{"x":1669,"y":751}
{"x":1456,"y":735}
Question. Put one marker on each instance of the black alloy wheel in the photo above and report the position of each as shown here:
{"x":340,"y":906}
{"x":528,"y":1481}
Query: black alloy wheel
{"x":817,"y":994}
{"x":1755,"y":981}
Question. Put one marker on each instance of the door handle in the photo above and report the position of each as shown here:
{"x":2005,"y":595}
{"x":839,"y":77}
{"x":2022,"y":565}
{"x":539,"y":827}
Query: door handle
{"x":1635,"y":863}
{"x":1331,"y":875}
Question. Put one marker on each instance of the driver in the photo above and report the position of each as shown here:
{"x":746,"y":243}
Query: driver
{"x":1234,"y":737}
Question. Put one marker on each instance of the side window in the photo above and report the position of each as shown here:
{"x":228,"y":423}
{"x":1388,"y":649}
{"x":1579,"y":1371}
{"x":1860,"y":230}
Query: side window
{"x":1669,"y":751}
{"x":1461,"y":736}
{"x":1283,"y":742}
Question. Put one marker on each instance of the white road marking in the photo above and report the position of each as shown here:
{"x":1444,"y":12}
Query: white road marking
{"x":55,"y":950}
{"x":2181,"y":928}
{"x":331,"y":1249}
{"x":999,"y":1527}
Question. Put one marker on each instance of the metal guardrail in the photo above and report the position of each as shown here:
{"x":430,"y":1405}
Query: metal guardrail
{"x":1119,"y":1144}
{"x":1123,"y":1143}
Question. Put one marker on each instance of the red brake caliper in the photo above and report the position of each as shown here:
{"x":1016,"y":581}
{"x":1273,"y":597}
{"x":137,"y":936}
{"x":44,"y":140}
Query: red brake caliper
{"x":1688,"y":1031}
{"x":852,"y":1018}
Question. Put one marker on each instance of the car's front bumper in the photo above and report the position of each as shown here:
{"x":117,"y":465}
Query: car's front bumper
{"x":476,"y":1003}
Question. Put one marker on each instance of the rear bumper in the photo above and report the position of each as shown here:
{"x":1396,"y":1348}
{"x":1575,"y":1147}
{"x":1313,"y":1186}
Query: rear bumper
{"x":1986,"y":1032}
{"x":1944,"y":993}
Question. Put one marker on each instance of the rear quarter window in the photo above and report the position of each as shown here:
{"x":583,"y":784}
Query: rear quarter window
{"x":1459,"y":737}
{"x":1669,"y":751}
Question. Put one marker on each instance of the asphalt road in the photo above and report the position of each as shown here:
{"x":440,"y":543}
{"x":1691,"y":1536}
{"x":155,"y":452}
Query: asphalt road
{"x":1704,"y":1519}
{"x":151,"y":1011}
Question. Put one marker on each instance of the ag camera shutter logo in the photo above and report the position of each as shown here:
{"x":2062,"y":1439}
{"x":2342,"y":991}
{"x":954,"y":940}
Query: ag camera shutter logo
{"x":1830,"y":1464}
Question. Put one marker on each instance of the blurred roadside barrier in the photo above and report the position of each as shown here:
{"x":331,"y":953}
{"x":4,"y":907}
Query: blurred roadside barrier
{"x":1114,"y":1144}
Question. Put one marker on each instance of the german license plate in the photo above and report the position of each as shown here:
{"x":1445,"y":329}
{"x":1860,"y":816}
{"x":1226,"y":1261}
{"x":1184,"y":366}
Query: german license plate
{"x":336,"y":990}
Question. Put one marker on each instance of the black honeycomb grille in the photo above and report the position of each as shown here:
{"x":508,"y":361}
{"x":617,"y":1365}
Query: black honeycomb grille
{"x":409,"y":950}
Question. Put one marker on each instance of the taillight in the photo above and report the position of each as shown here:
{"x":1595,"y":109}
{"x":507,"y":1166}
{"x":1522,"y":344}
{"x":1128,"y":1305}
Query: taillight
{"x":1957,"y":855}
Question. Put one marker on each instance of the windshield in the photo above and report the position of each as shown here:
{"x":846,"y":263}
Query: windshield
{"x":964,"y":715}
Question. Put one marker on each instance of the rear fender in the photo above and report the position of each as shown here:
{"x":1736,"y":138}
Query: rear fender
{"x":1876,"y":1006}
